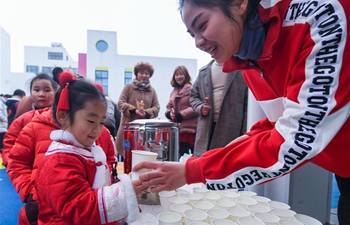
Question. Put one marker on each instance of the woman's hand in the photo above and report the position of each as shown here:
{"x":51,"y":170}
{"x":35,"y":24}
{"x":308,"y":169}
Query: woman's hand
{"x":141,"y":113}
{"x":205,"y":110}
{"x":165,"y":176}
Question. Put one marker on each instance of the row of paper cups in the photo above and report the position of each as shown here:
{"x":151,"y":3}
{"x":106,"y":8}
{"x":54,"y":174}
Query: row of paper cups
{"x":223,"y":205}
{"x":221,"y":217}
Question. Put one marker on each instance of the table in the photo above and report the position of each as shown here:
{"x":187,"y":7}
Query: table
{"x":148,"y":216}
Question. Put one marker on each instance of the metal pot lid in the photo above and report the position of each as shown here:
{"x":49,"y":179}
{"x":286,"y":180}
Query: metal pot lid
{"x":151,"y":123}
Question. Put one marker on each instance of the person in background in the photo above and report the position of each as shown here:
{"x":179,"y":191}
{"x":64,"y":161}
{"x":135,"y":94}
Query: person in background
{"x":113,"y":114}
{"x":27,"y":103}
{"x":295,"y":59}
{"x":137,"y":100}
{"x":12,"y":105}
{"x":3,"y":122}
{"x":27,"y":140}
{"x":221,"y":100}
{"x":42,"y":92}
{"x":73,"y":181}
{"x":179,"y":110}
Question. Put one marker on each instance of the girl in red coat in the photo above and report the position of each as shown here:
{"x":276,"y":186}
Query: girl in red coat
{"x":73,"y":181}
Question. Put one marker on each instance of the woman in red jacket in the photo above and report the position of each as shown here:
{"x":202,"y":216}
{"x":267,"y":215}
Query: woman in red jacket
{"x":295,"y":60}
{"x":179,"y":110}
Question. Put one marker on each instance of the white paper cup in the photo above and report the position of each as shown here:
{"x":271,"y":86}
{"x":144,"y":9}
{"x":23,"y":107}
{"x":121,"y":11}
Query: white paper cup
{"x":141,"y":156}
{"x":198,"y":223}
{"x":180,"y":208}
{"x":178,"y":200}
{"x":243,"y":203}
{"x":193,"y":198}
{"x":169,"y":218}
{"x":203,"y":205}
{"x":247,"y":194}
{"x":200,"y":190}
{"x":194,"y":215}
{"x":267,"y":218}
{"x":211,"y":197}
{"x":224,"y":204}
{"x":289,"y":222}
{"x":284,"y":214}
{"x":230,"y":195}
{"x":258,"y":208}
{"x":235,"y":214}
{"x":305,"y":219}
{"x":215,"y":213}
{"x":250,"y":221}
{"x":261,"y":200}
{"x":164,"y":197}
{"x":181,"y":192}
{"x":278,"y":205}
{"x":223,"y":222}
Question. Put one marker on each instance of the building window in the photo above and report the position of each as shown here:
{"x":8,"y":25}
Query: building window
{"x":127,"y":77}
{"x":55,"y":55}
{"x":101,"y":46}
{"x":101,"y":77}
{"x":47,"y":69}
{"x":32,"y":69}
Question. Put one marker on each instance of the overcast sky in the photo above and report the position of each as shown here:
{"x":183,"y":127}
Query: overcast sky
{"x":144,"y":27}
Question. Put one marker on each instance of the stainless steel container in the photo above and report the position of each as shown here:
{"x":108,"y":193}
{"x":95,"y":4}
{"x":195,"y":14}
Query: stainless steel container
{"x":155,"y":135}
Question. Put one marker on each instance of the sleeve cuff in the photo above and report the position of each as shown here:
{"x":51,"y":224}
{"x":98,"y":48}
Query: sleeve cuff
{"x":194,"y":173}
{"x":132,"y":205}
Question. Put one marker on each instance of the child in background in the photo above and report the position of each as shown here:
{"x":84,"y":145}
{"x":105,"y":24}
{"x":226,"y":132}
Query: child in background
{"x":73,"y":181}
{"x":42,"y":93}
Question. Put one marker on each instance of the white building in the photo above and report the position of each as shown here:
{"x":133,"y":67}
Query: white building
{"x":100,"y":63}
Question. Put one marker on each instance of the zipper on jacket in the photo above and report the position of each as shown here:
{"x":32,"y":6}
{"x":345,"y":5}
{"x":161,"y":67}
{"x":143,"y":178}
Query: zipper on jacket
{"x":263,"y":74}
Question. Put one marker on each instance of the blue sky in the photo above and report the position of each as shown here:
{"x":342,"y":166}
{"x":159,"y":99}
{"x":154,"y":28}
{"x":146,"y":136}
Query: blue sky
{"x":144,"y":27}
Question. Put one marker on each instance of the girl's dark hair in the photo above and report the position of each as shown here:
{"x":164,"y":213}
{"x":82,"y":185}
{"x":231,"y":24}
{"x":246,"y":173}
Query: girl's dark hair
{"x":180,"y":70}
{"x":56,"y":73}
{"x":142,"y":66}
{"x":224,"y":6}
{"x":43,"y":76}
{"x":80,"y":91}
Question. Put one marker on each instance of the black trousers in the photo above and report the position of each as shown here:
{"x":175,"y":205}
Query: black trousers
{"x":344,"y":200}
{"x":184,"y":147}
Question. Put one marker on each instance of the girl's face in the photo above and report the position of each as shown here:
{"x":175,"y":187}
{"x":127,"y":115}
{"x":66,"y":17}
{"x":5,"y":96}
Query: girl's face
{"x":143,"y":76}
{"x":213,"y":31}
{"x":89,"y":122}
{"x":180,"y":78}
{"x":42,"y":93}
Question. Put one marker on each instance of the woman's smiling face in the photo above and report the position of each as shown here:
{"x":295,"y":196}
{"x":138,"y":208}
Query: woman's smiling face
{"x":213,"y":31}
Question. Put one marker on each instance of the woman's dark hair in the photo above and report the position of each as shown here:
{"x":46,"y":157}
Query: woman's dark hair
{"x":142,"y":66}
{"x":80,"y":91}
{"x":43,"y":76}
{"x":180,"y":70}
{"x":224,"y":6}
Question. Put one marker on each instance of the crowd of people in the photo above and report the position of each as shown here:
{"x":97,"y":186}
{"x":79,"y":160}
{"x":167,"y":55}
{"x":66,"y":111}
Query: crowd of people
{"x":58,"y":147}
{"x":52,"y":130}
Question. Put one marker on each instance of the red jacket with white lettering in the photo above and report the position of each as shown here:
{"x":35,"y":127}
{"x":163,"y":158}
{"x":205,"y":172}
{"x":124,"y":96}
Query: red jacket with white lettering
{"x":302,"y":84}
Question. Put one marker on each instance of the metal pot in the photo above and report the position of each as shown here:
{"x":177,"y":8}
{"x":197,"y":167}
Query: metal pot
{"x":155,"y":135}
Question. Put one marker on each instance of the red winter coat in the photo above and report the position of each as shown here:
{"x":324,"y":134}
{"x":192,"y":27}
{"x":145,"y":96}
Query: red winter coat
{"x":13,"y":132}
{"x":302,"y":84}
{"x":32,"y":142}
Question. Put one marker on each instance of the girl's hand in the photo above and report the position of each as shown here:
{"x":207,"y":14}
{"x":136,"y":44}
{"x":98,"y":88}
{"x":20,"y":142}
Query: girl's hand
{"x":138,"y":187}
